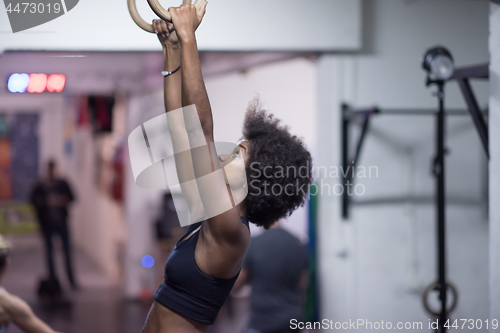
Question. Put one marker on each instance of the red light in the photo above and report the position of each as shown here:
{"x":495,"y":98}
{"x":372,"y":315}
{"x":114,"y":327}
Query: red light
{"x":38,"y":83}
{"x":56,"y":83}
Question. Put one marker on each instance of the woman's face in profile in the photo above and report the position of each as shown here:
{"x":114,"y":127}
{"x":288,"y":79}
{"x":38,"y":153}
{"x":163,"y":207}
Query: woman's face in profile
{"x":233,"y":165}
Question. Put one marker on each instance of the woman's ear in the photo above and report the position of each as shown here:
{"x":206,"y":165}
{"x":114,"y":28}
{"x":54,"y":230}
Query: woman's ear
{"x":245,"y":143}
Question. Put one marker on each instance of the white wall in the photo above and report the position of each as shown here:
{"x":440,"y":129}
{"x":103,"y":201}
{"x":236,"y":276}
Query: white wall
{"x":494,"y":128}
{"x":95,"y":25}
{"x":376,"y":265}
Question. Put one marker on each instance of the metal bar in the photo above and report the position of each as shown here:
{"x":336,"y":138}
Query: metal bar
{"x":416,"y":112}
{"x":361,"y":140}
{"x":361,"y":112}
{"x":439,"y":172}
{"x":417,"y":200}
{"x":477,"y":117}
{"x":406,"y":112}
{"x":478,"y":71}
{"x":348,"y":176}
{"x":345,"y":161}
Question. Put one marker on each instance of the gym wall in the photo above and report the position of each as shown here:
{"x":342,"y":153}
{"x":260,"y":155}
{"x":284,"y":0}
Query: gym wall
{"x":494,"y":127}
{"x":376,"y":265}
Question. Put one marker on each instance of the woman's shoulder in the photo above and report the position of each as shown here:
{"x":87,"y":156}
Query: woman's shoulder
{"x":223,"y":256}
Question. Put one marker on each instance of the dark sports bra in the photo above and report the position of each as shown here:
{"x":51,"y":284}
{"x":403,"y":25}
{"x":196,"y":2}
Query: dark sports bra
{"x":186,"y":289}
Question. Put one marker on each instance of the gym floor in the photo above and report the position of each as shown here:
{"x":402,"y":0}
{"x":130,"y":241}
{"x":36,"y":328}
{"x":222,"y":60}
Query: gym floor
{"x":98,"y":307}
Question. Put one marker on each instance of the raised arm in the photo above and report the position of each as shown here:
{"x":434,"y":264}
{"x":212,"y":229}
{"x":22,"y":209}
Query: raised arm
{"x":172,"y":98}
{"x":225,"y":231}
{"x":186,"y":20}
{"x":171,"y":61}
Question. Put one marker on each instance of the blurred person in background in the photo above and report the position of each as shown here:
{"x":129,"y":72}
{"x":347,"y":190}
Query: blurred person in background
{"x":51,"y":197}
{"x":276,"y":266}
{"x":14,"y":309}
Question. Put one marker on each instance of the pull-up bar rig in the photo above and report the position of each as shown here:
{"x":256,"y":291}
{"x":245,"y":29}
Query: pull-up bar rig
{"x":462,"y":76}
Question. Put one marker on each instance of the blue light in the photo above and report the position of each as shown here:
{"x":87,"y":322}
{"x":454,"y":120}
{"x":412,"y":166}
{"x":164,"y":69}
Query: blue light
{"x":148,"y":261}
{"x":18,"y":82}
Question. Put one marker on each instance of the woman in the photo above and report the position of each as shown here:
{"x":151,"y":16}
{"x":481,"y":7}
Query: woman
{"x":205,"y":263}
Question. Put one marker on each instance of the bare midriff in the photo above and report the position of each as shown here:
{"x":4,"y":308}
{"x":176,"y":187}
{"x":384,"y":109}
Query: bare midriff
{"x":163,"y":320}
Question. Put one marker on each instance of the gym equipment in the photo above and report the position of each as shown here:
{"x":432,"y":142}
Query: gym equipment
{"x":435,"y":286}
{"x":448,"y":73}
{"x":438,"y":63}
{"x":157,"y":9}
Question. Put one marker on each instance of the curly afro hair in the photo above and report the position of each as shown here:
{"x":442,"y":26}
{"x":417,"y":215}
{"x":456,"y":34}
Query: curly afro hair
{"x":278,"y":168}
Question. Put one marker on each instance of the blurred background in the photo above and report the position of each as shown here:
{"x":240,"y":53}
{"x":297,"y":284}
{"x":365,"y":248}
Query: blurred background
{"x":304,"y":60}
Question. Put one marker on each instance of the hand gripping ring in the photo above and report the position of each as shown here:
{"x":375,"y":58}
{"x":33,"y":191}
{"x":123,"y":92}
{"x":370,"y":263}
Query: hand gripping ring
{"x":157,"y":9}
{"x":435,"y":286}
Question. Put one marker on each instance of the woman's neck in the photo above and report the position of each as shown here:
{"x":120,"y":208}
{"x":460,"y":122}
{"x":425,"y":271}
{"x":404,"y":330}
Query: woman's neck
{"x":275,"y":225}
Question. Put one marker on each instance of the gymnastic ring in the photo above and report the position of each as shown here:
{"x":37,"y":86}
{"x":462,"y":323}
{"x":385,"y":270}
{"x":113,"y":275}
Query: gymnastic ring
{"x":157,"y":9}
{"x":434,"y":286}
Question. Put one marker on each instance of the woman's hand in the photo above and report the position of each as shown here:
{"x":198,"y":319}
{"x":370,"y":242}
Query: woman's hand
{"x":166,"y":33}
{"x":186,"y":20}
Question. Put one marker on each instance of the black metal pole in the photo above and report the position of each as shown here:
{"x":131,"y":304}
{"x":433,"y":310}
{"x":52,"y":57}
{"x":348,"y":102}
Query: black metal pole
{"x":439,"y":170}
{"x":475,"y":112}
{"x":345,"y":162}
{"x":359,"y":146}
